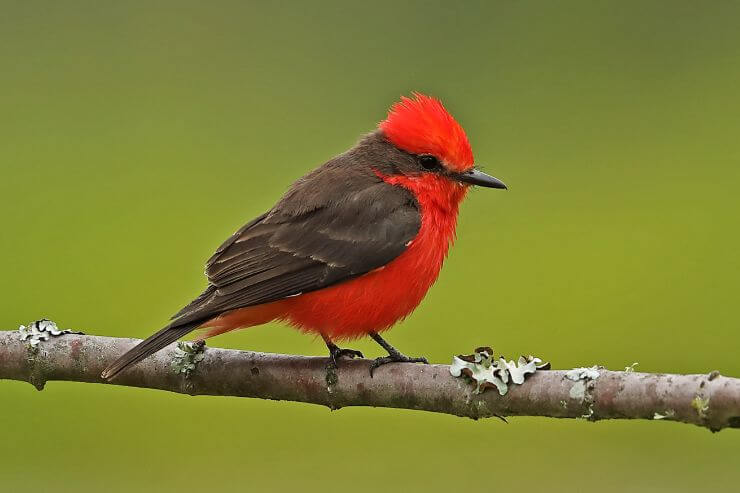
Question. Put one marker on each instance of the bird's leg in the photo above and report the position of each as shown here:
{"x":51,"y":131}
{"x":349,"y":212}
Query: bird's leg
{"x":335,"y":352}
{"x":394,"y":355}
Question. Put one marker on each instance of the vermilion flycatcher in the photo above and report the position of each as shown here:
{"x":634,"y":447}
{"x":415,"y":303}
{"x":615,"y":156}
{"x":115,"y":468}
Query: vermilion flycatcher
{"x":351,"y":248}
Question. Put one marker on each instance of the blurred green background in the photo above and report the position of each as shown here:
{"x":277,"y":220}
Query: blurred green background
{"x":136,"y":136}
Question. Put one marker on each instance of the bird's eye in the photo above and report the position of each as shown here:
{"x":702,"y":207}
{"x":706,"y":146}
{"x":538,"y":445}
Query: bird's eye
{"x":430,"y":162}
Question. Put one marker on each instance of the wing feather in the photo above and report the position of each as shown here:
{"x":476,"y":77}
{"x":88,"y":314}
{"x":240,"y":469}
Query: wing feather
{"x":287,"y":252}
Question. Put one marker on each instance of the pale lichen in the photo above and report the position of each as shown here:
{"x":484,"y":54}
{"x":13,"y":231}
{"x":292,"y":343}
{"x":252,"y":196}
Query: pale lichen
{"x":669,"y":414}
{"x":581,"y":389}
{"x":583,"y":373}
{"x":631,"y":368}
{"x":700,"y":405}
{"x":488,"y":372}
{"x":578,"y":391}
{"x":41,"y":330}
{"x":187,"y":356}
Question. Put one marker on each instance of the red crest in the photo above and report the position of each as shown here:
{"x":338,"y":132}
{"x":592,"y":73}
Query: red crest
{"x":422,"y":125}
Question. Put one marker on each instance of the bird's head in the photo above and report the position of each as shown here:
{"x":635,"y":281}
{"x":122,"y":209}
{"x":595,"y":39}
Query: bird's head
{"x":422,"y":127}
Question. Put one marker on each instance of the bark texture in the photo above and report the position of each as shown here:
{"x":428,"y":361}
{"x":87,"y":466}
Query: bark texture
{"x":709,"y":400}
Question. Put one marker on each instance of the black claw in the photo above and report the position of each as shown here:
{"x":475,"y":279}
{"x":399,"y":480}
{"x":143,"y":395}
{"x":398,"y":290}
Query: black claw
{"x":394,"y":355}
{"x":352,"y":353}
{"x":336,"y":352}
{"x":395,"y":358}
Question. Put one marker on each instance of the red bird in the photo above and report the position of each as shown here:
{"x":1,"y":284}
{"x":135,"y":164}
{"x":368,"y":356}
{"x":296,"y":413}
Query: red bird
{"x":351,"y":248}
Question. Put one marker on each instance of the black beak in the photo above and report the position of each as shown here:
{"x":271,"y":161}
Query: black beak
{"x":475,"y":177}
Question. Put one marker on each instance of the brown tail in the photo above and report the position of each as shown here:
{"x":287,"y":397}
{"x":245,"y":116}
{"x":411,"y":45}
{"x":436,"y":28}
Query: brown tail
{"x":149,"y":346}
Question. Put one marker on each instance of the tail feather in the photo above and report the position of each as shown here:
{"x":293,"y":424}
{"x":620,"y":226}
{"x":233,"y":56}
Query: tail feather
{"x":149,"y":346}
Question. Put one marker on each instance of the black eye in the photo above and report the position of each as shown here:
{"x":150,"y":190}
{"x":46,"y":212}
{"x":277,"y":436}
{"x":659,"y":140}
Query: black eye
{"x":429,"y":162}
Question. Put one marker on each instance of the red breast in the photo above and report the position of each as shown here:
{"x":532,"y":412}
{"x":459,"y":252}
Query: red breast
{"x":377,"y":300}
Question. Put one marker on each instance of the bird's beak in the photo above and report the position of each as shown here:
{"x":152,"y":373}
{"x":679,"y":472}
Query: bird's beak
{"x":475,"y":177}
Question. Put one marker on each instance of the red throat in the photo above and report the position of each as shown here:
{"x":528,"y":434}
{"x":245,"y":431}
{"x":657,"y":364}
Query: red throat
{"x":422,"y":125}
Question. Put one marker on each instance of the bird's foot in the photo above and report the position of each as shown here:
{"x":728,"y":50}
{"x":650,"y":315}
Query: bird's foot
{"x":395,"y":357}
{"x":335,"y":352}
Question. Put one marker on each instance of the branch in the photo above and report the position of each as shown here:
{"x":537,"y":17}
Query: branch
{"x":712,"y":401}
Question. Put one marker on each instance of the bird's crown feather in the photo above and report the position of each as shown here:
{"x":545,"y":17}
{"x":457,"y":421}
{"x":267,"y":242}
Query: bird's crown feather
{"x":422,"y":125}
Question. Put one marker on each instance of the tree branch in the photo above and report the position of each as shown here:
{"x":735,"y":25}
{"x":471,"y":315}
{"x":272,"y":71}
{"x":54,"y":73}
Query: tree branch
{"x":712,"y":401}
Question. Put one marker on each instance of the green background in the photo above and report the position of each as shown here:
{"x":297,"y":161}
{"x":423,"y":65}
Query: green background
{"x":136,"y":136}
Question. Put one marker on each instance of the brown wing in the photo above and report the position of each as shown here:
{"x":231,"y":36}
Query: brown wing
{"x":282,"y":253}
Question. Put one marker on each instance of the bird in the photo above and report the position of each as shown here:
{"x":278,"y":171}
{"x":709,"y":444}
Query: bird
{"x":350,"y":249}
